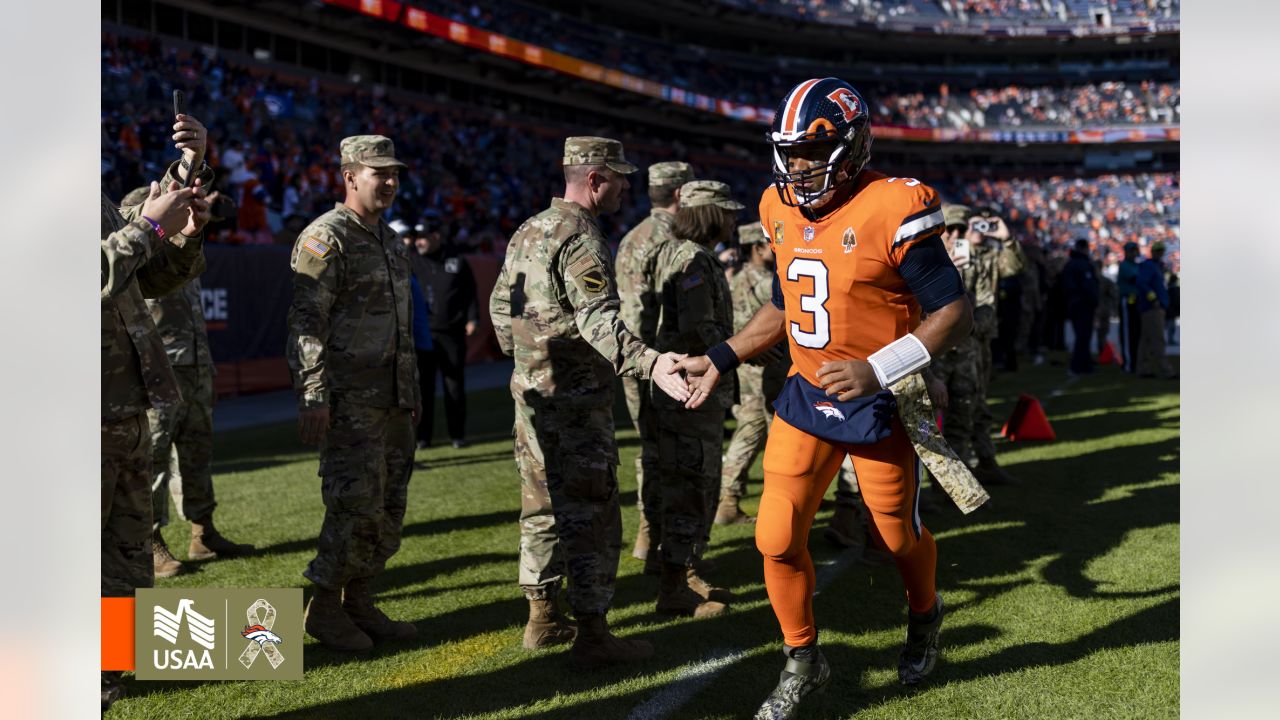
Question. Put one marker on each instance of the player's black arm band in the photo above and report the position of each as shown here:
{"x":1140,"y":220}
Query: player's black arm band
{"x":723,"y":357}
{"x":930,"y":274}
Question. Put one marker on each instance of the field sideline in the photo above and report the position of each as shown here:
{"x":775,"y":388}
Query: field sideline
{"x":1063,"y":598}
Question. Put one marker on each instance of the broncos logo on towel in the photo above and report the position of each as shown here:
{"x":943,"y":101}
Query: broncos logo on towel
{"x":829,"y":410}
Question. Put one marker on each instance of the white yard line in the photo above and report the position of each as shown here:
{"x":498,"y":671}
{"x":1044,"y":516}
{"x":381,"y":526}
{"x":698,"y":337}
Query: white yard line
{"x":693,"y":678}
{"x":689,"y":682}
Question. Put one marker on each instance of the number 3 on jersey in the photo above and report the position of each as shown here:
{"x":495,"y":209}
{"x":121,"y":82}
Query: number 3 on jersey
{"x":814,"y":304}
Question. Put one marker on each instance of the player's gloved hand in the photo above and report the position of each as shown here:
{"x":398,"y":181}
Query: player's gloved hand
{"x":313,"y":424}
{"x":702,"y":376}
{"x":668,"y":377}
{"x":848,"y":379}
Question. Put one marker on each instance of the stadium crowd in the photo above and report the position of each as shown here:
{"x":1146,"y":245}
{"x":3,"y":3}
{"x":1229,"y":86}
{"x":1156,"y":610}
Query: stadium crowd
{"x":1003,"y":11}
{"x":481,"y":170}
{"x":922,"y":105}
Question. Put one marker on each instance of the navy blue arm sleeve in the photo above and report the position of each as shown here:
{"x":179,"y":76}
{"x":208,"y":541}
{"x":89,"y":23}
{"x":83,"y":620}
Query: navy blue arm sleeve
{"x":777,"y":293}
{"x":930,"y":274}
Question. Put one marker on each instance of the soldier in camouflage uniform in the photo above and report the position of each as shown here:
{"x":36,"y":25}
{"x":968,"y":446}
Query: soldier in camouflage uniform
{"x":146,"y":251}
{"x":966,"y":369}
{"x":351,"y":353}
{"x":696,"y":314}
{"x":751,"y":288}
{"x":636,"y":269}
{"x":182,"y":435}
{"x":555,"y":310}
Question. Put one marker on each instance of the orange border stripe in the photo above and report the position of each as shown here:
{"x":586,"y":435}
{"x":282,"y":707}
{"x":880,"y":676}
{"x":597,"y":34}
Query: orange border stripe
{"x":117,"y":633}
{"x":797,"y":98}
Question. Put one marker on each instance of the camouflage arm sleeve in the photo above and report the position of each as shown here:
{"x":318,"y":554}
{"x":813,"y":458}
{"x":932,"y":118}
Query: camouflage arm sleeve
{"x":1011,"y":260}
{"x":500,"y":311}
{"x":124,"y":252}
{"x":695,"y":305}
{"x":178,"y":261}
{"x":315,"y":286}
{"x":592,"y":292}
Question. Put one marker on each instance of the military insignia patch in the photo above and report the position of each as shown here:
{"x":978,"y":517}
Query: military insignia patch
{"x":808,"y":234}
{"x":593,"y":282}
{"x":850,"y":241}
{"x":777,"y":231}
{"x":317,"y":247}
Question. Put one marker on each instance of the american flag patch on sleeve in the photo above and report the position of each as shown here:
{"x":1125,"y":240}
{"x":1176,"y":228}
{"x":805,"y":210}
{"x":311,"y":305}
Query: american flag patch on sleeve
{"x":317,"y":247}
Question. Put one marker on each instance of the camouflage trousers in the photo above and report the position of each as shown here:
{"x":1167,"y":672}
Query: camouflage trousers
{"x":366,"y":460}
{"x":958,"y":369}
{"x":639,"y":404}
{"x":1151,"y":357}
{"x":982,"y":418}
{"x":753,"y":418}
{"x":847,"y":485}
{"x":182,"y":449}
{"x":689,"y":457}
{"x":570,"y":522}
{"x":126,"y":506}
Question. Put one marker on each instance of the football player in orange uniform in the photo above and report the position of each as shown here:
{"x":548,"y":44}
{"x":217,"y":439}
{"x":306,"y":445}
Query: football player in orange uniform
{"x":859,"y":256}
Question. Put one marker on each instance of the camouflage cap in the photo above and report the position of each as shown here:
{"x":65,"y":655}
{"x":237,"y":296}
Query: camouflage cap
{"x":587,"y":150}
{"x":696,"y":193}
{"x":751,"y":233}
{"x":670,"y":173}
{"x":956,"y":214}
{"x":373,"y":150}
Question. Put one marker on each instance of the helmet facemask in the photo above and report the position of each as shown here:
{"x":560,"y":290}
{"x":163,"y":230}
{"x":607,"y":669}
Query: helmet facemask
{"x":848,"y":153}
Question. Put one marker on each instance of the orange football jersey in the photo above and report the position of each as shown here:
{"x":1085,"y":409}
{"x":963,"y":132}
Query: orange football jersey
{"x":839,"y":275}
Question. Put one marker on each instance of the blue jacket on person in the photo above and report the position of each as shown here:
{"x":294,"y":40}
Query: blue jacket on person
{"x":1151,"y":287}
{"x":421,"y":316}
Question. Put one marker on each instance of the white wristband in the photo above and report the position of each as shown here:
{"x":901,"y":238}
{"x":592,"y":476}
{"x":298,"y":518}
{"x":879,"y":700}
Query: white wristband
{"x":898,"y":359}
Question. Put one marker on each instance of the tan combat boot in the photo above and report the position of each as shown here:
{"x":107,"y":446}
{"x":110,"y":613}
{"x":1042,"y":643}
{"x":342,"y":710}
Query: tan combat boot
{"x":677,"y":597}
{"x":327,"y":622}
{"x":357,"y":602}
{"x":706,"y":589}
{"x":163,"y":561}
{"x":596,"y":647}
{"x":845,"y":529}
{"x":547,"y":626}
{"x":207,"y":543}
{"x":728,"y":512}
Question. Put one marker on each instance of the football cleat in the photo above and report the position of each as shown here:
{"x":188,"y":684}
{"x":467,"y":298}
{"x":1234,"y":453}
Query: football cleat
{"x":920,"y":651}
{"x":799,"y":680}
{"x":826,"y":121}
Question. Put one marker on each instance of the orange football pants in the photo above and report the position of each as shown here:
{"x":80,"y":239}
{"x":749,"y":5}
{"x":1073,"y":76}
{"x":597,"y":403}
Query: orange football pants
{"x":798,"y":468}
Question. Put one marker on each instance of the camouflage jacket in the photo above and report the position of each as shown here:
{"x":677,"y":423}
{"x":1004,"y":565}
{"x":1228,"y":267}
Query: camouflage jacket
{"x":555,"y":310}
{"x":751,"y":288}
{"x":179,"y":317}
{"x":138,"y":264}
{"x":697,"y":309}
{"x":981,"y":276}
{"x":637,"y":254}
{"x":350,"y":329}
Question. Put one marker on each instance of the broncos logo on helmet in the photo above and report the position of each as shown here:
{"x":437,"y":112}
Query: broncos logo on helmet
{"x":818,"y":114}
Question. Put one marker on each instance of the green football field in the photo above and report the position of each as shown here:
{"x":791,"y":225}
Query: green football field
{"x":1062,"y":598}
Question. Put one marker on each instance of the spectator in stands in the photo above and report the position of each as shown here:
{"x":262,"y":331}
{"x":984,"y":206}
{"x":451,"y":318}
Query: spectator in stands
{"x":1080,"y":286}
{"x":451,"y":292}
